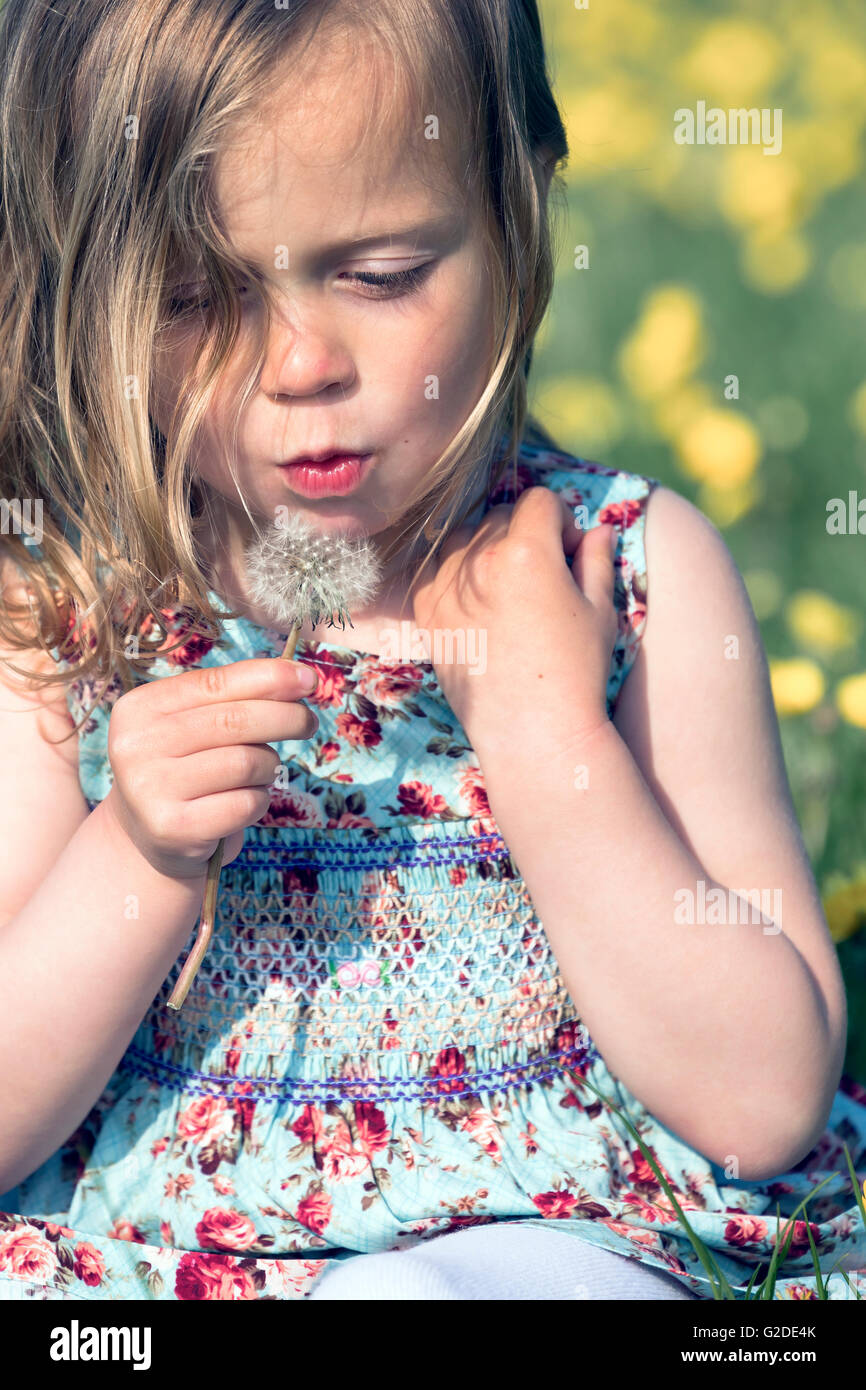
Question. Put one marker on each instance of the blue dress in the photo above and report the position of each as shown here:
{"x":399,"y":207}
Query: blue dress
{"x":379,"y":1046}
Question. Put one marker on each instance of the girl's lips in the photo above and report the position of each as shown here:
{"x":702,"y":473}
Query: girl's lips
{"x":333,"y":477}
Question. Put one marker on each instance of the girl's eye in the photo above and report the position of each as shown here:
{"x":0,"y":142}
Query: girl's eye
{"x":385,"y":284}
{"x":180,"y":305}
{"x":390,"y":284}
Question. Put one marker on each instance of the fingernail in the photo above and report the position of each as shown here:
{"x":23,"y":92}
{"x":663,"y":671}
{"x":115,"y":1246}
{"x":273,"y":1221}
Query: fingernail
{"x":307,"y":678}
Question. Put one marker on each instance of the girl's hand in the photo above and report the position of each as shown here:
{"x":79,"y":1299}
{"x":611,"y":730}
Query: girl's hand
{"x":538,"y":632}
{"x":192,"y":760}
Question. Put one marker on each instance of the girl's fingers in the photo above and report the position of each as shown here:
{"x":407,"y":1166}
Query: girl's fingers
{"x":572,"y":533}
{"x":593,"y":565}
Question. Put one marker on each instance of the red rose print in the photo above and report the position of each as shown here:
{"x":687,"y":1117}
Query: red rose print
{"x":360,"y":733}
{"x":621,"y":514}
{"x":25,"y":1255}
{"x":190,"y":652}
{"x":225,"y":1230}
{"x":778,"y":1189}
{"x":373,"y":1130}
{"x":555,"y":1204}
{"x":212,"y":1276}
{"x":245,"y":1111}
{"x":309,"y":1126}
{"x":449,"y":1066}
{"x":332,"y":683}
{"x":205,"y":1120}
{"x":88,"y":1264}
{"x":743,"y":1229}
{"x":124,"y":1230}
{"x":419,"y":799}
{"x":481,"y":1126}
{"x":799,"y":1240}
{"x":340,"y":1161}
{"x":390,"y":685}
{"x":292,"y":808}
{"x":315,"y":1212}
{"x":474,"y":792}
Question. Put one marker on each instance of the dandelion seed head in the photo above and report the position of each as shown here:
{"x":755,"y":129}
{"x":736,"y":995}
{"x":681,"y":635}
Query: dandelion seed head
{"x":295,"y":572}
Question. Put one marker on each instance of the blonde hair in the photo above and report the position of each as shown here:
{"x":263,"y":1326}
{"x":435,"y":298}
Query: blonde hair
{"x":111,"y":115}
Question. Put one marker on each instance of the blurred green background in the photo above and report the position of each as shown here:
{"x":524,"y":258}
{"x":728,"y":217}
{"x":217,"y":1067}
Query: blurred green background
{"x":708,"y":261}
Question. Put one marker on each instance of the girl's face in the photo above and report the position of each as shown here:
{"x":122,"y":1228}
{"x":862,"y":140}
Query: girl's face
{"x":351,"y":367}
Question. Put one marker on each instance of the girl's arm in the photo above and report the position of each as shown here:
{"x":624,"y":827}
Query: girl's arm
{"x":733,"y":1035}
{"x":88,"y":933}
{"x":97,"y":907}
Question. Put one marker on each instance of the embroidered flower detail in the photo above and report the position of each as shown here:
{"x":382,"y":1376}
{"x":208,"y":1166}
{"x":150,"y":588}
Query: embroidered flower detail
{"x":352,"y":973}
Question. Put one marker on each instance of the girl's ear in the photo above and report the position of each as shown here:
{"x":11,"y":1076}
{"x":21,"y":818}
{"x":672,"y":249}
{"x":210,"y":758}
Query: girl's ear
{"x":545,"y":162}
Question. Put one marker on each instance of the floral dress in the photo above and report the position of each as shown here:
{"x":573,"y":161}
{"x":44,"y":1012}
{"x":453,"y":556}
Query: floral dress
{"x":379,"y":1046}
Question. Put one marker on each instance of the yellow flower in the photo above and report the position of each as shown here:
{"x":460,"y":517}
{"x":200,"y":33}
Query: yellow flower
{"x":733,"y":61}
{"x":760,"y":190}
{"x":726,"y":505}
{"x":825,"y":149}
{"x":583,"y":408}
{"x":775,"y":263}
{"x":586,"y":38}
{"x":719,"y":448}
{"x":851,"y":699}
{"x":836,"y":73}
{"x":797,"y":684}
{"x":609,"y":126}
{"x":666,"y":344}
{"x":671,"y":413}
{"x":845,"y":908}
{"x":820,"y":624}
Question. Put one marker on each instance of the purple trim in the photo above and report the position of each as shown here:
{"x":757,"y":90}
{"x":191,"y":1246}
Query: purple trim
{"x":250,"y":859}
{"x":375,"y":1088}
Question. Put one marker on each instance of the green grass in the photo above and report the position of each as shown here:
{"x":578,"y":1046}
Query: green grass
{"x":766,"y":1289}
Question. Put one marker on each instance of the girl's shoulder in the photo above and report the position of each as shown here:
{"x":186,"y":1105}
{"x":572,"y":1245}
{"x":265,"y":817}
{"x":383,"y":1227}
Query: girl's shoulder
{"x":583,"y":483}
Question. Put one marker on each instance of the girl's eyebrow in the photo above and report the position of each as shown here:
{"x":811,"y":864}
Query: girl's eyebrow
{"x":447,"y":225}
{"x":432,"y":226}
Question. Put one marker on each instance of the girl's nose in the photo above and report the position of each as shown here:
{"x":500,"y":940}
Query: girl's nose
{"x":304,"y":358}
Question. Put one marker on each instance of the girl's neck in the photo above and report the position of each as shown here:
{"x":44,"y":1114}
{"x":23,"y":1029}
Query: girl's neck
{"x":225,"y":532}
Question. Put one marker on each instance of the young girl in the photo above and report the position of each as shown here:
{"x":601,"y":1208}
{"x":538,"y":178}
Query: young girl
{"x":486,"y":906}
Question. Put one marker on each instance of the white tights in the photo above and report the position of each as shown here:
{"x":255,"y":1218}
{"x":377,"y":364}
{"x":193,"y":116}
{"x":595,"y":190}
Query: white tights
{"x":495,"y":1261}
